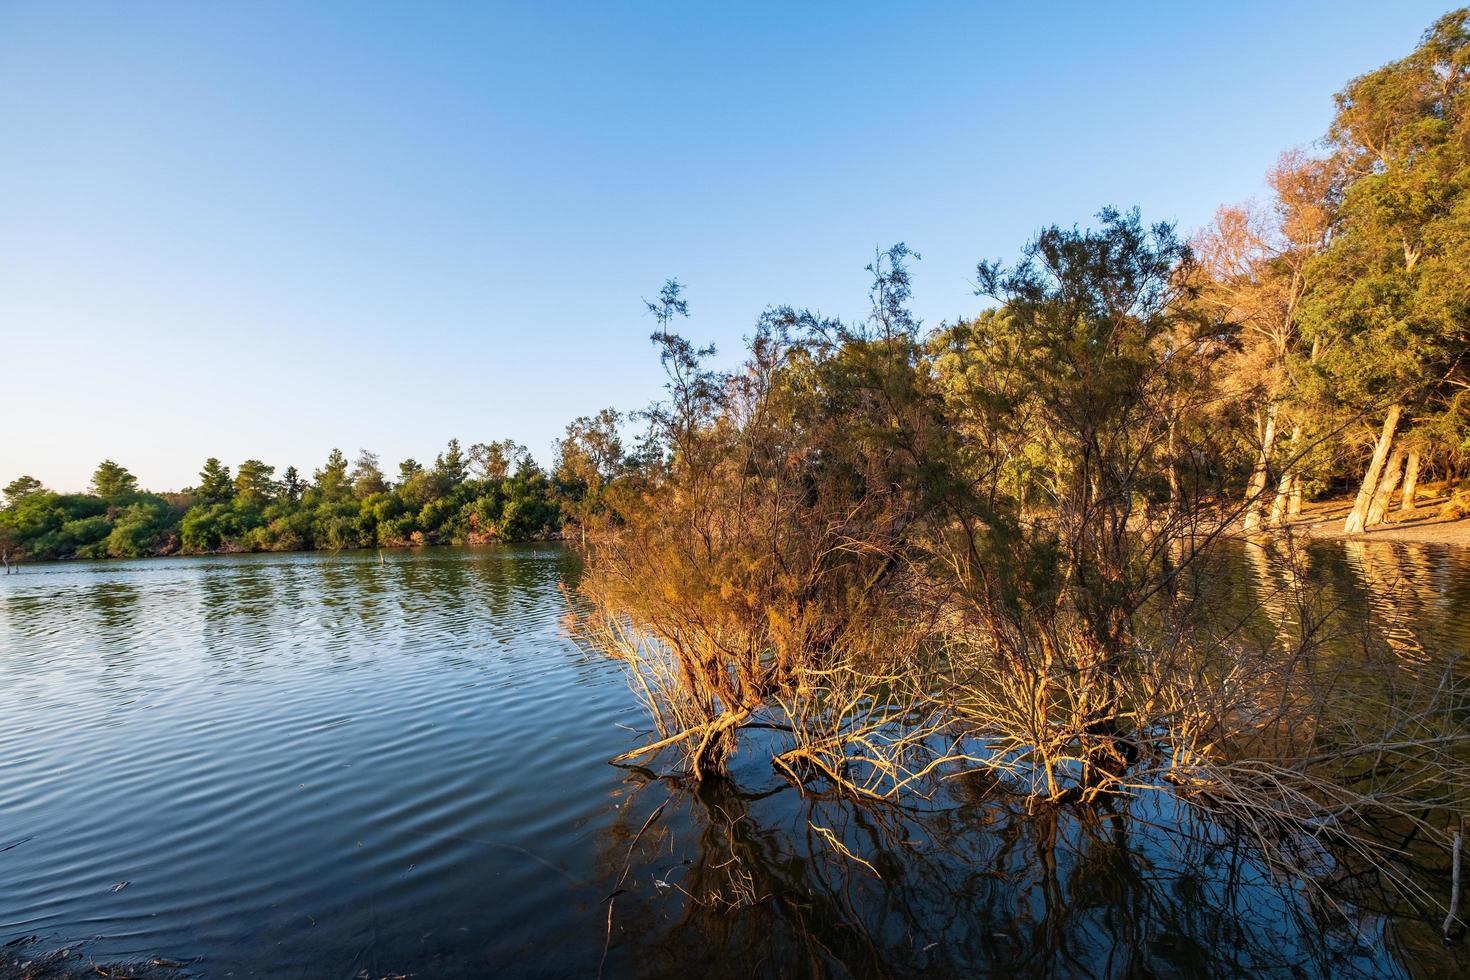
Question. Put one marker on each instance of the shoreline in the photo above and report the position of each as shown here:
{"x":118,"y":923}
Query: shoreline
{"x":1322,"y":521}
{"x":15,"y":564}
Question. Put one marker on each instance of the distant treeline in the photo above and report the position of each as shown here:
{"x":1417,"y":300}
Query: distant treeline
{"x":491,"y":492}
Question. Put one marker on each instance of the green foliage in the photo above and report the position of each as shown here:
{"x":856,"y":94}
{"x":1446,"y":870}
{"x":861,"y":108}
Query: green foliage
{"x":21,"y":486}
{"x":215,"y":485}
{"x":219,"y":527}
{"x":292,"y":485}
{"x":83,"y":537}
{"x":254,"y":484}
{"x":494,"y":461}
{"x":112,"y":481}
{"x":1388,"y":303}
{"x":148,"y":526}
{"x":53,"y":525}
{"x":591,"y":454}
{"x":450,"y":465}
{"x":253,"y":512}
{"x":367,"y":475}
{"x":331,"y":482}
{"x":288,"y":528}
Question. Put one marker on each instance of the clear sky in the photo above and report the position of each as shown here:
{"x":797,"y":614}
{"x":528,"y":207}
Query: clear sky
{"x":262,"y":229}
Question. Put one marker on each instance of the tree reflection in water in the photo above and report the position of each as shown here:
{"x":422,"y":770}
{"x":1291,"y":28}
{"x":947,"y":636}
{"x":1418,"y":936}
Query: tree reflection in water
{"x":734,"y":883}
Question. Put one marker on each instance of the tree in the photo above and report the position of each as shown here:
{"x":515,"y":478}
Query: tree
{"x":367,"y":475}
{"x":587,"y":457}
{"x":292,"y":485}
{"x":331,"y":480}
{"x":495,"y":461}
{"x":20,"y":488}
{"x":769,"y":544}
{"x":1387,"y":308}
{"x":1110,"y":350}
{"x":449,"y":466}
{"x":112,"y":481}
{"x":416,"y":486}
{"x":215,"y":485}
{"x":254,"y":483}
{"x":1256,"y":262}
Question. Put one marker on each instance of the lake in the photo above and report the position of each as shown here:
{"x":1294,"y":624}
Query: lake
{"x":336,"y":765}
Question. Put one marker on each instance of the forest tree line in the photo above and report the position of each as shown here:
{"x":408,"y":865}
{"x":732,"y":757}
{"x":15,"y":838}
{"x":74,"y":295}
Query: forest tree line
{"x":492,"y":491}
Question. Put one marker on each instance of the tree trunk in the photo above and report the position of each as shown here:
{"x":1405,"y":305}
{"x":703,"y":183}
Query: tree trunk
{"x":1279,"y":506}
{"x":1278,"y":503}
{"x":1411,"y":481}
{"x":1256,"y":488}
{"x":1174,"y":493}
{"x":1383,"y":496}
{"x":1357,"y":520}
{"x":1294,"y":501}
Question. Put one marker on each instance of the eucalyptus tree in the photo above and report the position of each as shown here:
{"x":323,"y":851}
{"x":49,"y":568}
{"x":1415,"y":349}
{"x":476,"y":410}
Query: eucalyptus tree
{"x":1256,"y":261}
{"x":1389,"y":304}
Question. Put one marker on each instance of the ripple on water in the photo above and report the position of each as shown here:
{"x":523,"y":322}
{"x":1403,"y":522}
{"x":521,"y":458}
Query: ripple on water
{"x":261,"y":744}
{"x":307,"y":765}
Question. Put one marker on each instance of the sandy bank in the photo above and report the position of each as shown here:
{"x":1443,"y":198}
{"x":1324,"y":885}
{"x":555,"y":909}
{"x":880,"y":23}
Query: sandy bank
{"x":1423,"y":525}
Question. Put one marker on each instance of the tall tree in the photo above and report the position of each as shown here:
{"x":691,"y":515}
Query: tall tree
{"x":1110,"y":347}
{"x":111,"y":481}
{"x":1389,"y":307}
{"x":20,"y":488}
{"x":331,"y":480}
{"x":449,"y":466}
{"x":494,"y":461}
{"x":367,"y":475}
{"x":587,"y":457}
{"x":215,"y":485}
{"x":254,"y":484}
{"x":292,"y":485}
{"x":1256,"y":264}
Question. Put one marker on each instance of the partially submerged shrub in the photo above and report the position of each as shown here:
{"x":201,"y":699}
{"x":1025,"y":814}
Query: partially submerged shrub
{"x":913,"y":557}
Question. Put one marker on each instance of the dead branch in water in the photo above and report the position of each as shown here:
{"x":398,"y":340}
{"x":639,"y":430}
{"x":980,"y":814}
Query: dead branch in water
{"x":627,"y":864}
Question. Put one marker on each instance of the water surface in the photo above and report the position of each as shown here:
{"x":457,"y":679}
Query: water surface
{"x":335,"y":765}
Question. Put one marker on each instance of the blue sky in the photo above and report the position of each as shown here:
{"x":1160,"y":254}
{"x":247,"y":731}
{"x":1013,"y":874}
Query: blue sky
{"x":264,"y":230}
